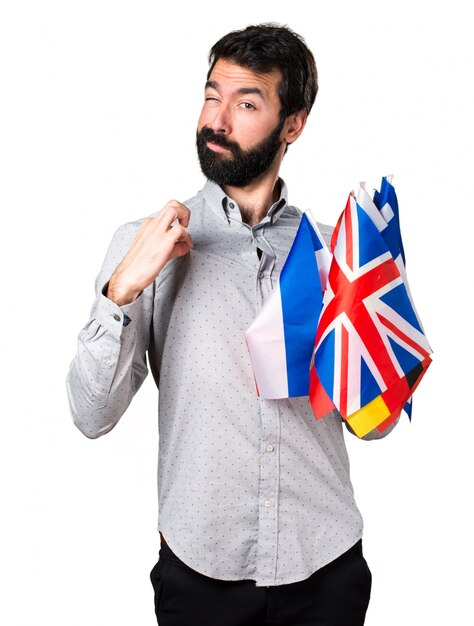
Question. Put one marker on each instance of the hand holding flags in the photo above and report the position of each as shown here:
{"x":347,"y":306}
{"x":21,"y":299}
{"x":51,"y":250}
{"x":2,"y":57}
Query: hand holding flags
{"x":370,"y":351}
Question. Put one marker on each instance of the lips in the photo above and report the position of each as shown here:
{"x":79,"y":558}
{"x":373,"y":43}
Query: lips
{"x":216,"y":147}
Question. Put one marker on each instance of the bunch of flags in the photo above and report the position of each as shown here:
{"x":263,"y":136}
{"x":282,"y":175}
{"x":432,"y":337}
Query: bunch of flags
{"x":341,"y":326}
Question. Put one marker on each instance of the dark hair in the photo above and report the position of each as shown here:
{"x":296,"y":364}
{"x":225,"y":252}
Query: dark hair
{"x":265,"y":47}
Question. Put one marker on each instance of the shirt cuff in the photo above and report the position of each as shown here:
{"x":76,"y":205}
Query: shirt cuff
{"x":111,"y":315}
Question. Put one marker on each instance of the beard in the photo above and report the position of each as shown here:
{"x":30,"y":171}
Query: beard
{"x":240,"y":167}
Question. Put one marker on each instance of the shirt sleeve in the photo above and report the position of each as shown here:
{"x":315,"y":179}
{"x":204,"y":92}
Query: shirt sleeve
{"x":110,"y":363}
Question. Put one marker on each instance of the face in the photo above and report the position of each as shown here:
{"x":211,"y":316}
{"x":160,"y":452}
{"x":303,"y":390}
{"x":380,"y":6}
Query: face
{"x":239,"y":129}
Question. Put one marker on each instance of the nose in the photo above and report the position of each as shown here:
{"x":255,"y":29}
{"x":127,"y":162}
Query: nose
{"x":221,"y":122}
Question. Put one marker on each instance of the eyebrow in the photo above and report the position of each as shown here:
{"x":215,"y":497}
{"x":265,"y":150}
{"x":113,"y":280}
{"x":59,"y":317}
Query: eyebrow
{"x":242,"y":91}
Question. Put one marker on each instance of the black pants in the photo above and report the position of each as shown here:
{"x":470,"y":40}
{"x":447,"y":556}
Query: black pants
{"x":336,"y":595}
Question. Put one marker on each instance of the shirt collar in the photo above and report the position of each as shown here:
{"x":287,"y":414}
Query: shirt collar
{"x":224,"y":206}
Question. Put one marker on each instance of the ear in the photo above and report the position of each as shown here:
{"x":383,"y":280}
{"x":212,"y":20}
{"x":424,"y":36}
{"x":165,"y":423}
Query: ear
{"x":293,"y":126}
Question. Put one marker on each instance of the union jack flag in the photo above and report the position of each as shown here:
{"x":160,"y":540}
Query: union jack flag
{"x":370,"y":351}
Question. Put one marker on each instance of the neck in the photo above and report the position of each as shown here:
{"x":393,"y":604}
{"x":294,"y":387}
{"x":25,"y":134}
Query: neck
{"x":257,"y":197}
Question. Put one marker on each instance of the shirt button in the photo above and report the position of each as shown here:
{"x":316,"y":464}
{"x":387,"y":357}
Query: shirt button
{"x":268,"y":503}
{"x":231,"y":205}
{"x":270,"y":448}
{"x":117,"y":317}
{"x":108,"y":362}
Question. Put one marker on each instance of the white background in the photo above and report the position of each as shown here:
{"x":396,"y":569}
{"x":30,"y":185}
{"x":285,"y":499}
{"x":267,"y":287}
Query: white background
{"x":99,"y":104}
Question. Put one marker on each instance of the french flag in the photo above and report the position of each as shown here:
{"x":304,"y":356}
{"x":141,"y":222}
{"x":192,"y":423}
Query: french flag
{"x":281,"y":339}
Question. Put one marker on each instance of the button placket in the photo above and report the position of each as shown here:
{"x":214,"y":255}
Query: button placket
{"x":269,"y":489}
{"x":270,"y":433}
{"x":267,"y":263}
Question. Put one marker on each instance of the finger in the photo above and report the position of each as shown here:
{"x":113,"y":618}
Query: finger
{"x":184,"y":214}
{"x":180,"y":249}
{"x":178,"y":232}
{"x":174,"y":210}
{"x":187,"y":240}
{"x":181,"y":235}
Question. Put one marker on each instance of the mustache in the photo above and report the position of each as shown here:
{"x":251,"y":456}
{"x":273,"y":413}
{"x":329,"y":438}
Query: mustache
{"x":207,"y":134}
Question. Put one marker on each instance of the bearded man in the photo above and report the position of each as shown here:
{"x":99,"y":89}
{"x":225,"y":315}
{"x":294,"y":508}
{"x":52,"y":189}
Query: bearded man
{"x":257,"y":519}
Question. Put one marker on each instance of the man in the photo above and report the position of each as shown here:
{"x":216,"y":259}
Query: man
{"x":257,"y":518}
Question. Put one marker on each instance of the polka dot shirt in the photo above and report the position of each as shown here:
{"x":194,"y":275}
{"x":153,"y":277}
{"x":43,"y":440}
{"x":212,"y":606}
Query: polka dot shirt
{"x":247,"y":488}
